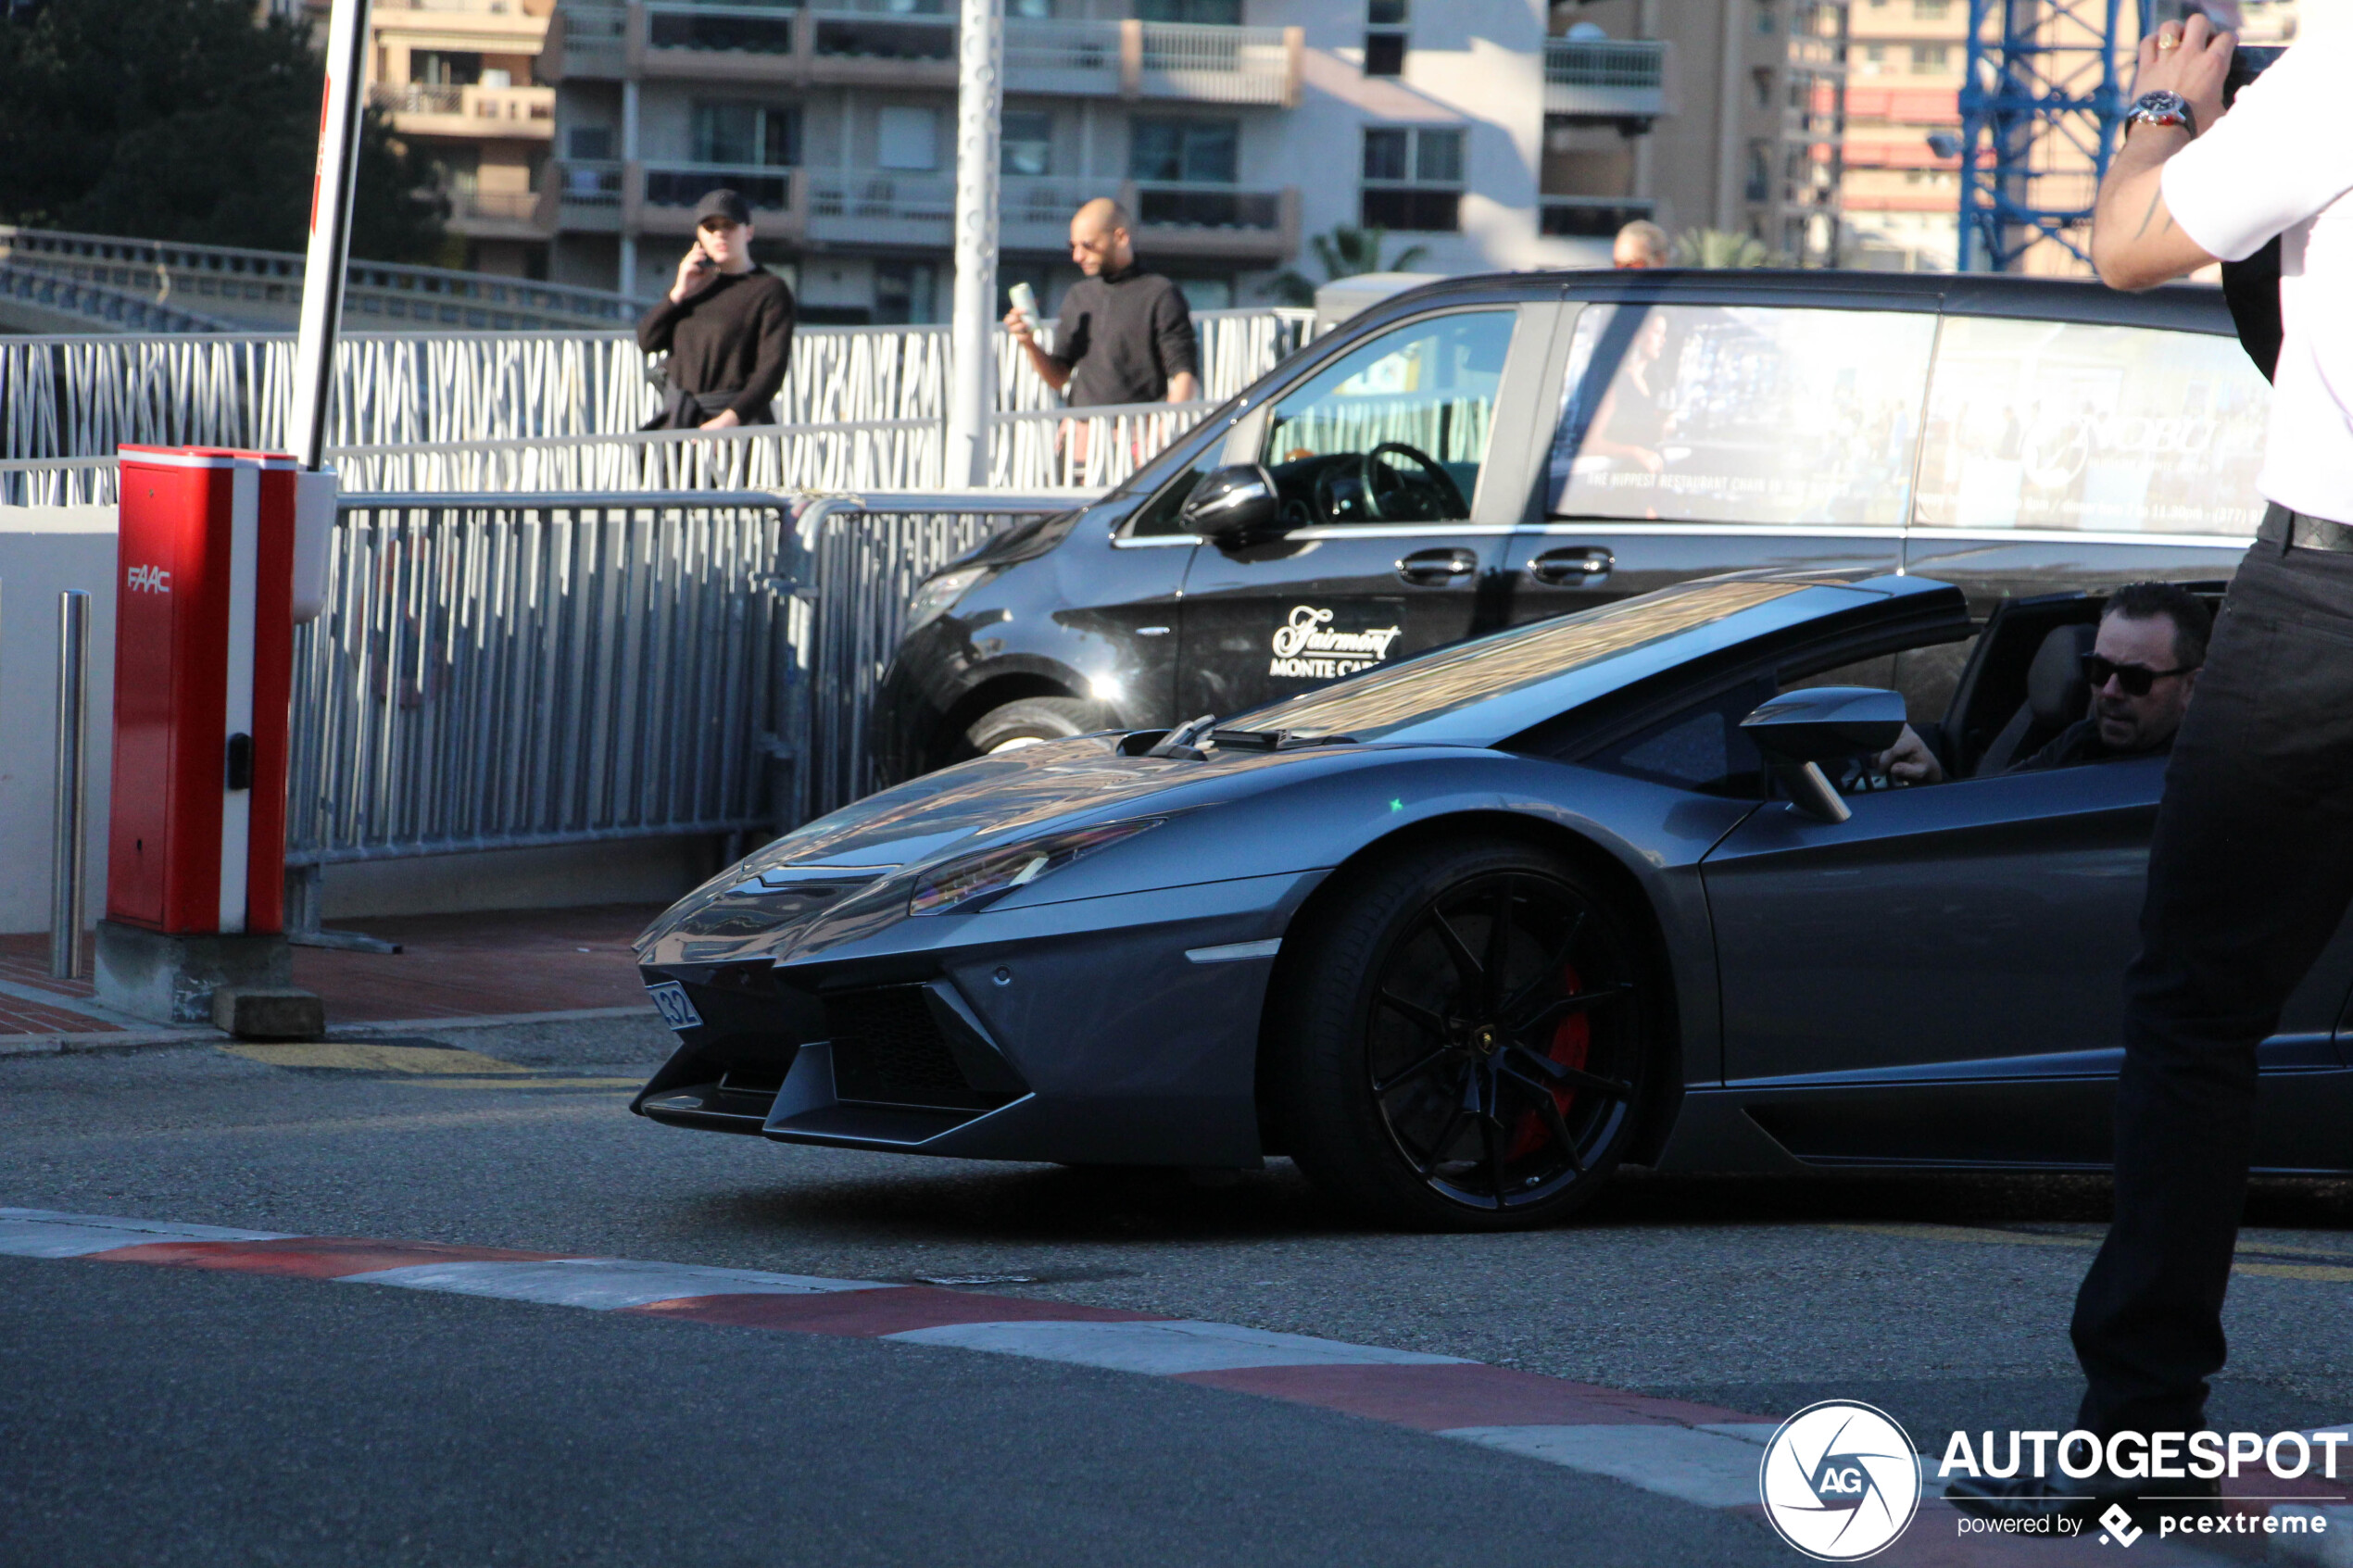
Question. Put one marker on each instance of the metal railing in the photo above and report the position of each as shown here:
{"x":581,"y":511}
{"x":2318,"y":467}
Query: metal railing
{"x":1604,"y":62}
{"x":96,"y":303}
{"x":1229,"y":65}
{"x":506,"y":671}
{"x":81,"y":397}
{"x":501,"y":106}
{"x":1050,"y":447}
{"x":222,"y":284}
{"x":856,"y":562}
{"x":499,"y":672}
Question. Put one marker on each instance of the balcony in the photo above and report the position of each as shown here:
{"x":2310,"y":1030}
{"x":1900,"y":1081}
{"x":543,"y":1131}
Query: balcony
{"x":507,"y":114}
{"x":707,"y":39}
{"x":1231,"y":222}
{"x":588,"y":194}
{"x":1609,"y":79}
{"x":494,"y":215}
{"x":882,"y":207}
{"x":586,"y":39}
{"x":658,"y":198}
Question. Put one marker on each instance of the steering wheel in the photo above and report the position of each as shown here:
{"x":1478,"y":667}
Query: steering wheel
{"x":1372,"y":471}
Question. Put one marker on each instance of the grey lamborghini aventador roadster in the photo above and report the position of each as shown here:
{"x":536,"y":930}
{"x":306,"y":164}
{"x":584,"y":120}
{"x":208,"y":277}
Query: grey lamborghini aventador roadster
{"x":1462,"y":934}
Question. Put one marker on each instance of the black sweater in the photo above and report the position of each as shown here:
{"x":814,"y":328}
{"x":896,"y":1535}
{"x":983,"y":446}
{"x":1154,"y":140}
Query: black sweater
{"x":734,"y":336}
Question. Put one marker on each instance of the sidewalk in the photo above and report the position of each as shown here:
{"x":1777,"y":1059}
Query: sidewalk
{"x":450,"y":966}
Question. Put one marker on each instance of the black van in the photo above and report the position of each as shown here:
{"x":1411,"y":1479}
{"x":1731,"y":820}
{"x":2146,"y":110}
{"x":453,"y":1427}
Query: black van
{"x":1492,"y":450}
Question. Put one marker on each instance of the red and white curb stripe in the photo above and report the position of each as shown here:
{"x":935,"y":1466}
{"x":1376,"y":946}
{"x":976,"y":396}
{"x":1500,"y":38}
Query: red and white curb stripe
{"x":1699,"y":1454}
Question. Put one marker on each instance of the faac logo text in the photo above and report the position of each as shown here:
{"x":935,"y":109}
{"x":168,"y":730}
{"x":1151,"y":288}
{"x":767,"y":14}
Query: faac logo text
{"x":1306,"y":646}
{"x":148,"y":580}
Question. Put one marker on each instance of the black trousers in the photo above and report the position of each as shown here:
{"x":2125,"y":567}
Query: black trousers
{"x":2250,"y":870}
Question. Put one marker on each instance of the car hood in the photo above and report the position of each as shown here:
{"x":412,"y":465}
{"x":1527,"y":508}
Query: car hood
{"x":849,"y":871}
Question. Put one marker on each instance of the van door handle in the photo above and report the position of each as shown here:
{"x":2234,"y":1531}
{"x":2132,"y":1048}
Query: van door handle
{"x":1435,"y":569}
{"x":1578,"y":565}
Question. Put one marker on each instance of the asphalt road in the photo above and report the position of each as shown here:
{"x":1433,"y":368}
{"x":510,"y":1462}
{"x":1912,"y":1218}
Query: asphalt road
{"x":166,"y":1416}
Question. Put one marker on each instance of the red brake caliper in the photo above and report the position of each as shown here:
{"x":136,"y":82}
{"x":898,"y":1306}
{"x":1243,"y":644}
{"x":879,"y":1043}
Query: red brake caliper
{"x":1571,"y":1038}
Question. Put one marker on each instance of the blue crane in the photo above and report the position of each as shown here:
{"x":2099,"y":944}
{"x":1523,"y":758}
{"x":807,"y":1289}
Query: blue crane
{"x":2041,"y":104}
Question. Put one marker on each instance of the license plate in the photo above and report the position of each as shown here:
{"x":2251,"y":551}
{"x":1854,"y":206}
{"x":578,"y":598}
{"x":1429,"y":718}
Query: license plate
{"x":670,"y":1000}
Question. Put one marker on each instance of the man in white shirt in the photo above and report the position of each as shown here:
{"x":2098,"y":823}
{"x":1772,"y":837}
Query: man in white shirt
{"x":2251,"y":866}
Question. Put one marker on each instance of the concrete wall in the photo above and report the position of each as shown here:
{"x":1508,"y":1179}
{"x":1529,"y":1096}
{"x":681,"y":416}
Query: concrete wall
{"x":46,"y":549}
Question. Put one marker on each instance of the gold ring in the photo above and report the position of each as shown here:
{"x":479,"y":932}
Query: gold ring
{"x":2169,"y":40}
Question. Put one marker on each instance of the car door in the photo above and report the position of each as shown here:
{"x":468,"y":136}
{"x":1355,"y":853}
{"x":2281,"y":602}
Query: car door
{"x":1694,"y":432}
{"x":1398,"y":501}
{"x":1970,"y":935}
{"x":2080,"y":454}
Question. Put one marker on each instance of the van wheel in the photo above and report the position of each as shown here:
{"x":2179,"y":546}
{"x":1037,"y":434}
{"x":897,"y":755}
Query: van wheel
{"x":1029,"y":720}
{"x":1463,"y":1041}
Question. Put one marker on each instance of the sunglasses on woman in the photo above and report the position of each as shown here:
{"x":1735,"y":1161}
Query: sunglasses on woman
{"x":2135,"y":679}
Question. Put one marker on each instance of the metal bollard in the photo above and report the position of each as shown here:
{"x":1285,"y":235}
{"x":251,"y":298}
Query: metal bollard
{"x":65,"y":851}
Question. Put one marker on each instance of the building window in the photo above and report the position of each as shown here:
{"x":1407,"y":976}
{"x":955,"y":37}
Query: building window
{"x":590,"y":143}
{"x":1760,"y":173}
{"x":906,"y":137}
{"x":445,"y":68}
{"x":1026,"y":143}
{"x":1930,"y":10}
{"x":906,"y":293}
{"x":1413,"y":178}
{"x":1221,"y":13}
{"x":747,"y":135}
{"x":1190,"y":152}
{"x":1928,"y":59}
{"x":1385,"y":42}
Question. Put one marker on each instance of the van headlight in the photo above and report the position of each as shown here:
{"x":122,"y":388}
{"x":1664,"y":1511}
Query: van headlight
{"x":937,"y":595}
{"x":972,"y":882}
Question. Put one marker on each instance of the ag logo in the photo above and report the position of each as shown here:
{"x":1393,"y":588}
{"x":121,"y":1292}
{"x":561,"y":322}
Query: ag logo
{"x":1840,"y":1481}
{"x":148,"y":580}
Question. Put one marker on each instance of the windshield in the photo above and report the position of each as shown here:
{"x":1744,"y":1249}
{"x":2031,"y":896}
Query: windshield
{"x":1397,"y":697}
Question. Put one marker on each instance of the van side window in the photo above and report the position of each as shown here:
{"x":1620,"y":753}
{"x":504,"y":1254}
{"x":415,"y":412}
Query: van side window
{"x":1717,"y":413}
{"x":2070,"y":425}
{"x":1394,"y":431}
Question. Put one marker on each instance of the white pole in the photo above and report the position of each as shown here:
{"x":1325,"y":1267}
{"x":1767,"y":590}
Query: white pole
{"x":980,"y":95}
{"x":329,"y":231}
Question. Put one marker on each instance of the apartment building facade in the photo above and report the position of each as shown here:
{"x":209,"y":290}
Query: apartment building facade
{"x":1485,"y":133}
{"x":459,"y":79}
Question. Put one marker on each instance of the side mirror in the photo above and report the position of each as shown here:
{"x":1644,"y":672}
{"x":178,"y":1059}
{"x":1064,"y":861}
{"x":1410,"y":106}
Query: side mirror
{"x":1233,"y":505}
{"x":1799,"y":731}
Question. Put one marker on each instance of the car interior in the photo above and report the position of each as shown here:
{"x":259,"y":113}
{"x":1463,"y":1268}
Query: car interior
{"x":1982,"y":704}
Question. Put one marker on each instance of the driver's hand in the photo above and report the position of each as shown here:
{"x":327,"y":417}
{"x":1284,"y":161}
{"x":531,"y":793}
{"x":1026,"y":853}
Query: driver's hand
{"x":1909,"y":761}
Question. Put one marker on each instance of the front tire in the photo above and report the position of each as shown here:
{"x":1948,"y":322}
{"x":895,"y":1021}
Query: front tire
{"x":1463,"y":1041}
{"x":1029,"y":720}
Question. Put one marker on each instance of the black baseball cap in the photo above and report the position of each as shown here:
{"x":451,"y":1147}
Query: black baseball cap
{"x":728,"y":205}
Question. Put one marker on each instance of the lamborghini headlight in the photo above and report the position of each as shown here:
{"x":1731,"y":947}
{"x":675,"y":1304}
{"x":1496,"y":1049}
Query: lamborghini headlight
{"x":974,"y":881}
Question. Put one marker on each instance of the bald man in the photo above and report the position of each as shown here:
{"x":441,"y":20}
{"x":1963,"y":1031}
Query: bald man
{"x":1126,"y":335}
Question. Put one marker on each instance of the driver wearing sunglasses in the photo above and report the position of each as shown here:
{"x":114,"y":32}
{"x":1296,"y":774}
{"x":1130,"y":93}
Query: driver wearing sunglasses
{"x":2143,"y":663}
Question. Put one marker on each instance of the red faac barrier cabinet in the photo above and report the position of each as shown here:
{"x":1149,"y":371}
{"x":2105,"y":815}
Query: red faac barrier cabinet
{"x":203,"y":668}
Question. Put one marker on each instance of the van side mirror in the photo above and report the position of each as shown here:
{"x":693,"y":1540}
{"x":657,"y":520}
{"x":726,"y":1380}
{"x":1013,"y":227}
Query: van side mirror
{"x":1236,"y":505}
{"x":1801,"y":730}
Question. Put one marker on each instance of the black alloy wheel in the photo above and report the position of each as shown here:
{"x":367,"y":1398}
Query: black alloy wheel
{"x":1464,"y":1043}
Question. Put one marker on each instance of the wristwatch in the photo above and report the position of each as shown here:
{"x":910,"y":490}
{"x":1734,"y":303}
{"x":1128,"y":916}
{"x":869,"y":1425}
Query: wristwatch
{"x":2160,"y":108}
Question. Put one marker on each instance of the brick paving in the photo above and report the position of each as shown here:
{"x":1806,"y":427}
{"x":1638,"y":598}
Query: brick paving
{"x":450,"y":966}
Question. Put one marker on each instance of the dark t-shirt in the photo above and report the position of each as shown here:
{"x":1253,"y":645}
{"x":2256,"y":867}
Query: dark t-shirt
{"x":735,"y":337}
{"x":2080,"y":742}
{"x":1122,"y":336}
